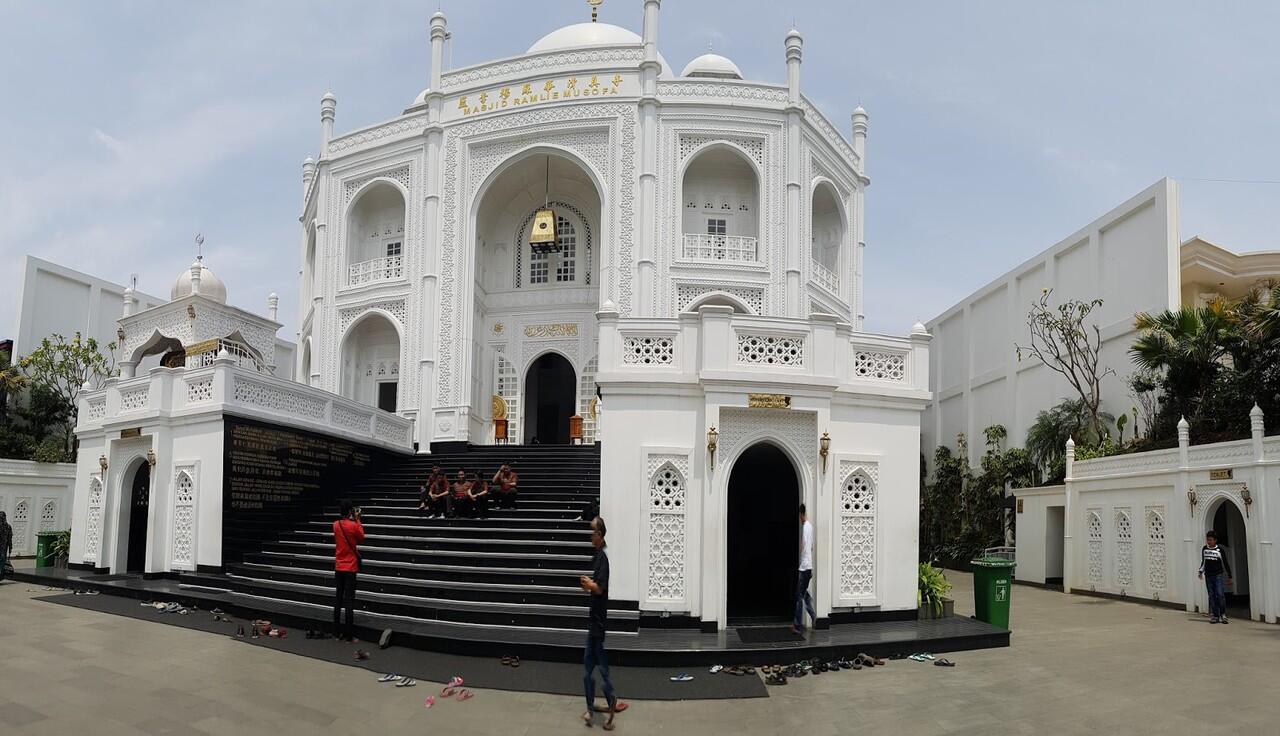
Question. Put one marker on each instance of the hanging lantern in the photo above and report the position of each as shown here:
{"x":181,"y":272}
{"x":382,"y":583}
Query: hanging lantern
{"x":542,"y":234}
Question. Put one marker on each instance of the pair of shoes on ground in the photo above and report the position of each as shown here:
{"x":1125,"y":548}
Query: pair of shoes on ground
{"x":454,"y":687}
{"x":317,"y":634}
{"x":399,"y":680}
{"x":1218,"y":620}
{"x":510,"y":660}
{"x":776,"y":677}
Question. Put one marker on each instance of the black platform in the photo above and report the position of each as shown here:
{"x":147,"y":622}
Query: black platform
{"x":647,"y":647}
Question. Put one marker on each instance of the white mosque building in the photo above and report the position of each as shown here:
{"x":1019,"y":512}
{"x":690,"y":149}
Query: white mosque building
{"x":576,"y":242}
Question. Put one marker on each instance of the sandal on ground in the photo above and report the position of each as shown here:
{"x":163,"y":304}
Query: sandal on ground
{"x":618,"y":707}
{"x":430,"y":701}
{"x":944,"y":662}
{"x":465,"y":695}
{"x":406,"y":682}
{"x":455,"y":682}
{"x":506,"y":661}
{"x":716,"y":669}
{"x":361,"y":655}
{"x":682,"y":677}
{"x":389,"y":677}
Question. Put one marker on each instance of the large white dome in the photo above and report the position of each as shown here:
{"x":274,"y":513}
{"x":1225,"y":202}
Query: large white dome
{"x":714,"y":66}
{"x":585,"y":35}
{"x":210,"y":285}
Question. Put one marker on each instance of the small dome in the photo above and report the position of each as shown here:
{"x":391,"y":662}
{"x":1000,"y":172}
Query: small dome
{"x":210,"y":286}
{"x":714,"y":66}
{"x":581,"y":35}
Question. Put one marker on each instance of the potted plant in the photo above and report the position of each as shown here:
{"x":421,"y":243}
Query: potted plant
{"x":931,"y":595}
{"x":61,"y":548}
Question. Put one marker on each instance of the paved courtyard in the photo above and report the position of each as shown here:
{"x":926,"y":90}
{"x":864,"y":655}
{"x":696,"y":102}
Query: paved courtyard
{"x":1077,"y":665}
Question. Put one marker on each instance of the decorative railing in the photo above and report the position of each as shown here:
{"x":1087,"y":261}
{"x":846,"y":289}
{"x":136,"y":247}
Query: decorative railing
{"x":825,"y":277}
{"x":389,"y":268}
{"x":704,"y":247}
{"x":202,"y":355}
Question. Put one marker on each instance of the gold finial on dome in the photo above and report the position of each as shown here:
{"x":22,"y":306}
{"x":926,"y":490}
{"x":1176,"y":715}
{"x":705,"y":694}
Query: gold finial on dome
{"x":595,"y":6}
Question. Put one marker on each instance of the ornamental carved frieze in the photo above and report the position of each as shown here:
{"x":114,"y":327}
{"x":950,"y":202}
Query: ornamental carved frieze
{"x":563,"y":329}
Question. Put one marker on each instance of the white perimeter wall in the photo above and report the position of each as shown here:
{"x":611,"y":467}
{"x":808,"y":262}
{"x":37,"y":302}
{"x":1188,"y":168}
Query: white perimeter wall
{"x":1039,"y":549}
{"x":37,"y":498}
{"x":1129,"y":257}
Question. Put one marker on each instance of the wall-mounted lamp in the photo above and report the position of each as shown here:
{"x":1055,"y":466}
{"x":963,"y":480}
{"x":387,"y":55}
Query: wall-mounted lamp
{"x":1247,"y":498}
{"x":102,"y":463}
{"x":824,"y":447}
{"x":712,"y":436}
{"x":120,"y":337}
{"x":1191,"y":499}
{"x":151,"y":458}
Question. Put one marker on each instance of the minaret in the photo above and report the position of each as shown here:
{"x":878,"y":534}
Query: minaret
{"x":273,"y":305}
{"x":439,"y":32}
{"x":859,"y":121}
{"x":795,"y":260}
{"x":646,"y":250}
{"x":308,"y":174}
{"x":328,"y":110}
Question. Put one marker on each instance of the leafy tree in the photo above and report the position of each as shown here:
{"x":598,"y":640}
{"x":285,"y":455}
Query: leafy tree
{"x":1067,"y":343}
{"x":1144,"y":387}
{"x":1187,"y":345}
{"x":54,"y":374}
{"x":1047,"y":438}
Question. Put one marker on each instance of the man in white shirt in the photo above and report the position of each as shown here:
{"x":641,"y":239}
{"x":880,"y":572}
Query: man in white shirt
{"x":804,"y":601}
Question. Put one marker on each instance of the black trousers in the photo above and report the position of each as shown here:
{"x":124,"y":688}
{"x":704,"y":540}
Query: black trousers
{"x":345,"y":596}
{"x":438,"y":506}
{"x":459,"y":506}
{"x":480,"y":506}
{"x":506,"y":500}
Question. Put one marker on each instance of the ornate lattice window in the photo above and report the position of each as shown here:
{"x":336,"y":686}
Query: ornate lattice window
{"x":93,"y":530}
{"x":1157,"y":553}
{"x":666,"y":533}
{"x":1093,"y":526}
{"x":648,"y":350}
{"x":567,"y":258}
{"x":1124,"y":548}
{"x":183,"y":550}
{"x":857,"y":535}
{"x":770,"y":350}
{"x":878,"y":366}
{"x":573,"y":235}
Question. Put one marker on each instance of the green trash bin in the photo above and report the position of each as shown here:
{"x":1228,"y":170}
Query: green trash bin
{"x":44,"y":548}
{"x":992,"y":588}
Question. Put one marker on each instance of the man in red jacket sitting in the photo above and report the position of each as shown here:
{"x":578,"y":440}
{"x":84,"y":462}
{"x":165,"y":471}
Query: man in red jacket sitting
{"x":460,"y":504}
{"x":348,"y":532}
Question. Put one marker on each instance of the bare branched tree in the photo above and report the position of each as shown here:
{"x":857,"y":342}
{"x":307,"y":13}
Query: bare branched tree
{"x":1061,"y":339}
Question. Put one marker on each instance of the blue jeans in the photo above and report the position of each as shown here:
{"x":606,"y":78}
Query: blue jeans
{"x":591,"y":659}
{"x":804,"y":601}
{"x":1217,"y":595}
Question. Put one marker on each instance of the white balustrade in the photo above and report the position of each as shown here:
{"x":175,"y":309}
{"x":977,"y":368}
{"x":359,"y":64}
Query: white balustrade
{"x":825,"y":277}
{"x":389,"y":268}
{"x":705,"y":247}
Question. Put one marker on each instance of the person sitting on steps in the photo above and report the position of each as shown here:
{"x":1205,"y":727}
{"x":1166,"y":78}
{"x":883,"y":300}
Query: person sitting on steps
{"x":424,"y":490}
{"x":478,"y":497}
{"x":505,"y":480}
{"x":438,"y":495}
{"x":460,"y":503}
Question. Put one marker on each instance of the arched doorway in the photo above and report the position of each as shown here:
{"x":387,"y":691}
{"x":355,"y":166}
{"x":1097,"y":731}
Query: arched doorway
{"x":1227,"y":523}
{"x":371,"y":362}
{"x":139,"y":506}
{"x":550,"y":388}
{"x":763,"y":536}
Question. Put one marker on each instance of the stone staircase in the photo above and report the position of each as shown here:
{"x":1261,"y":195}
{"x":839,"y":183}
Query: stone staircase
{"x":517,"y":569}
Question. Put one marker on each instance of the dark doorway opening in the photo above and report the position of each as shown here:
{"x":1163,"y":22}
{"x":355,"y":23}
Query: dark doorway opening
{"x":763,"y":537}
{"x":139,"y":505}
{"x":550,"y":391}
{"x":1228,"y":525}
{"x":387,"y":396}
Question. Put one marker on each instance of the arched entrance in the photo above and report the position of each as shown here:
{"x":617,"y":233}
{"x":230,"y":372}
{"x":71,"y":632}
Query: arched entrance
{"x":763,"y":536}
{"x":139,"y":506}
{"x":1227,"y":523}
{"x":371,"y":362}
{"x":550,"y":389}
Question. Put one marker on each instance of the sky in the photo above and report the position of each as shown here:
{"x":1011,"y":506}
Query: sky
{"x":997,"y":128}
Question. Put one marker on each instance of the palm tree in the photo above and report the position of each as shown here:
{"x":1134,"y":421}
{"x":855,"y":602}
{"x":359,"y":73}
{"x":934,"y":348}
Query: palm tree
{"x":1048,"y":435}
{"x":1188,"y":345}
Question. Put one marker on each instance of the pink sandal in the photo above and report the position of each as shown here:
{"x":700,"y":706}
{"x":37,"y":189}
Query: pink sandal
{"x":465,"y":695}
{"x":430,"y":701}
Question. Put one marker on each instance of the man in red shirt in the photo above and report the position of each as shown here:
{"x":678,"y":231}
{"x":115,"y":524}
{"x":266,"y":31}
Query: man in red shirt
{"x":438,"y":494}
{"x":461,"y":501}
{"x":348,"y":532}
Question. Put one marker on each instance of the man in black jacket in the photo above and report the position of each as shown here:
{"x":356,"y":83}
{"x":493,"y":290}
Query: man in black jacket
{"x":597,"y":586}
{"x":1212,"y":564}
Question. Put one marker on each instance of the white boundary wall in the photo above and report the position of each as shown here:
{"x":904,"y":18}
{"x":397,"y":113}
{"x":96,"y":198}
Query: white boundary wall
{"x":37,"y":498}
{"x":1131,"y":529}
{"x":1129,"y":257}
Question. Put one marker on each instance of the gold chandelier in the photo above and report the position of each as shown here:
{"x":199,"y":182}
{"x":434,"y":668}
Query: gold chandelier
{"x":542,"y":235}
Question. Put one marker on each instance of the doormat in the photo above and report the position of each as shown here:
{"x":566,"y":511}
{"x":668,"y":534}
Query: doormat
{"x":767,"y":634}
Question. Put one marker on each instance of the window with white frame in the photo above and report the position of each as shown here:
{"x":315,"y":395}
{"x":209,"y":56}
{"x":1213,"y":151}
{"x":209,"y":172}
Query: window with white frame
{"x":567,"y":258}
{"x":394,"y":248}
{"x":716,"y":226}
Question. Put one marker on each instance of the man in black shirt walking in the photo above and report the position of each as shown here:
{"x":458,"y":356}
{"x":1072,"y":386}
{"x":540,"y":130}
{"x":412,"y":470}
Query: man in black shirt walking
{"x":597,"y":586}
{"x":1212,"y":565}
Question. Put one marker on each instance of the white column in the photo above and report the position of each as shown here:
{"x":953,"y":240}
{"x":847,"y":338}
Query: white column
{"x":646,"y":265}
{"x":859,"y":120}
{"x":328,"y":110}
{"x":794,"y":260}
{"x":1069,"y":520}
{"x":1191,"y":558}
